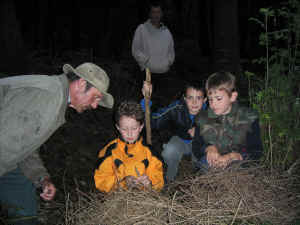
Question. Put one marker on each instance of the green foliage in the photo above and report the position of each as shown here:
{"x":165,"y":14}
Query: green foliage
{"x":275,"y":93}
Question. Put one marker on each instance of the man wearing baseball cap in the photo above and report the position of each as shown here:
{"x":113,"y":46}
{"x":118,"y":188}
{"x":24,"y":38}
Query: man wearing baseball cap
{"x":32,"y":108}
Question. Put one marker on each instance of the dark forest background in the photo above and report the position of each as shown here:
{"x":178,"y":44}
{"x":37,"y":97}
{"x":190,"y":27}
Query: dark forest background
{"x":209,"y":34}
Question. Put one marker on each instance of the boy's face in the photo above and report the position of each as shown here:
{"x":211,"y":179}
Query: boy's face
{"x":220,"y":102}
{"x":129,"y":129}
{"x":194,"y":100}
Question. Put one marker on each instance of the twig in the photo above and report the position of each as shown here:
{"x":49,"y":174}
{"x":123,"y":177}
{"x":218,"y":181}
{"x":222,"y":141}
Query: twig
{"x":292,"y":167}
{"x":173,"y":199}
{"x":236,"y":212}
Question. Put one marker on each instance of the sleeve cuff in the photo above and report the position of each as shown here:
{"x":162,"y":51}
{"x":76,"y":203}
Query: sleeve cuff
{"x":142,"y":103}
{"x":38,"y":183}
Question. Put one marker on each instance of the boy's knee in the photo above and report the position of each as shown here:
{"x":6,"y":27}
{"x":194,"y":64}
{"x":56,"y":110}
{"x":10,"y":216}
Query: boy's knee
{"x":170,"y":151}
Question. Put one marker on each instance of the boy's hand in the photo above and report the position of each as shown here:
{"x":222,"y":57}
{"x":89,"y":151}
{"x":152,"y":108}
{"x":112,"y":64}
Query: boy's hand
{"x":144,"y":180}
{"x":192,"y":131}
{"x":136,"y":182}
{"x":225,"y":160}
{"x":235,"y":156}
{"x":131,"y":181}
{"x":49,"y":189}
{"x":212,"y":155}
{"x":147,"y":89}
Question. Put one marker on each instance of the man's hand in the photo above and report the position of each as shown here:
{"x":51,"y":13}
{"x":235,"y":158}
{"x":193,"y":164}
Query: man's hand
{"x":48,"y":188}
{"x":147,"y":89}
{"x":192,"y":132}
{"x":212,"y":155}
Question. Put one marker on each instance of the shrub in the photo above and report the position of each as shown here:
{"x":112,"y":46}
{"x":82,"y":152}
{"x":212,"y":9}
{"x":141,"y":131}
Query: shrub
{"x":275,"y":93}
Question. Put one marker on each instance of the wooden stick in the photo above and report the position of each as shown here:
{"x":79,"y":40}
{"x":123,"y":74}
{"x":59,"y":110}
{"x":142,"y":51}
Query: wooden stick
{"x":147,"y":111}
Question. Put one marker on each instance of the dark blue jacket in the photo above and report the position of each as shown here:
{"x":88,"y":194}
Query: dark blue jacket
{"x":176,"y":117}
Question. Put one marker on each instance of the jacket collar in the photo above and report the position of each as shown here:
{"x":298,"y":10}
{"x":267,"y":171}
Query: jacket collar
{"x":150,"y":25}
{"x":232,"y":112}
{"x":126,"y":143}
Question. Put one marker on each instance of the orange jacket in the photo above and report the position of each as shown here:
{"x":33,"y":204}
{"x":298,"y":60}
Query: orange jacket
{"x":119,"y":159}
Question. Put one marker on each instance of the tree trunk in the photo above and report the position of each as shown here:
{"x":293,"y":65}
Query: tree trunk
{"x":195,"y":25}
{"x":12,"y":51}
{"x":75,"y":25}
{"x":42,"y":40}
{"x":248,"y":37}
{"x":209,"y":25}
{"x":186,"y":11}
{"x":226,"y":53}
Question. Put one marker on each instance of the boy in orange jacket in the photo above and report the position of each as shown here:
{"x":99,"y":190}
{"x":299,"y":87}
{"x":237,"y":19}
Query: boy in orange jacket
{"x":126,"y":161}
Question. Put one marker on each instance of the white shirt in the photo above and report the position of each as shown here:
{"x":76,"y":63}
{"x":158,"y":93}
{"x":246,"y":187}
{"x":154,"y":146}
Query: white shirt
{"x":153,"y":47}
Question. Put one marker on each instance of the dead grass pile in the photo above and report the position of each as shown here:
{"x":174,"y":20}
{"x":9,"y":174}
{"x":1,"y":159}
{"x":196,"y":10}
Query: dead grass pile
{"x":126,"y":207}
{"x":236,"y":196}
{"x":247,"y":195}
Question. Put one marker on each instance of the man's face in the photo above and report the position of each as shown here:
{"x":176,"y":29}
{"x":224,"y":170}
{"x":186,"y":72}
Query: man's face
{"x":220,"y":102}
{"x":82,"y":100}
{"x":155,"y":15}
{"x":129,"y":129}
{"x":194,"y":100}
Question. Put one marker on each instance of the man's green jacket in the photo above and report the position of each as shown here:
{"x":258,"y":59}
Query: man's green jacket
{"x":32,"y":108}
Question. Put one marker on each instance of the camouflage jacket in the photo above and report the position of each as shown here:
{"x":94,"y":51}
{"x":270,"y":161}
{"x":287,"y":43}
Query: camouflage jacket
{"x":237,"y":131}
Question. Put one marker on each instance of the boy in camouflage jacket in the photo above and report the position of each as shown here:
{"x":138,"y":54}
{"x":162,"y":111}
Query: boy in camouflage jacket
{"x":226,"y":132}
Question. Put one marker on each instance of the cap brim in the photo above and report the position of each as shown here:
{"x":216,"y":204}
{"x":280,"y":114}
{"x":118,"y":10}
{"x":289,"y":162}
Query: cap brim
{"x":107,"y":99}
{"x":67,"y":68}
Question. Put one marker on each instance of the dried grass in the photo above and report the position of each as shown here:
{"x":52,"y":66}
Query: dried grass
{"x":234,"y":196}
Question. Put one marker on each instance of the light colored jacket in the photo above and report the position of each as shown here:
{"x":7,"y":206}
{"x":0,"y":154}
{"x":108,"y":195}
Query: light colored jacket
{"x":32,"y":107}
{"x":153,"y":47}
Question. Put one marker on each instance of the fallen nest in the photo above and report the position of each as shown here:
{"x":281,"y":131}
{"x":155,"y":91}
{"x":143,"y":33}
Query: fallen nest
{"x":238,"y":195}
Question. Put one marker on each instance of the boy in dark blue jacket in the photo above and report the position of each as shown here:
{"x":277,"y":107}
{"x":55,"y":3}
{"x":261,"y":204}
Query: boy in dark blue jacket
{"x":180,"y":116}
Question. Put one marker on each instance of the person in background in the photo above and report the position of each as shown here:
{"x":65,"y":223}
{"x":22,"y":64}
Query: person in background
{"x":153,"y":46}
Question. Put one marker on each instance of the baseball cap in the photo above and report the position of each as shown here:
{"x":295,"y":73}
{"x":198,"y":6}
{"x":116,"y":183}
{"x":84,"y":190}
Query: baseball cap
{"x":97,"y":77}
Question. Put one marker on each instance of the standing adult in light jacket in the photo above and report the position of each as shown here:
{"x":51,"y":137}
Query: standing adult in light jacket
{"x":32,"y":108}
{"x":153,"y":45}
